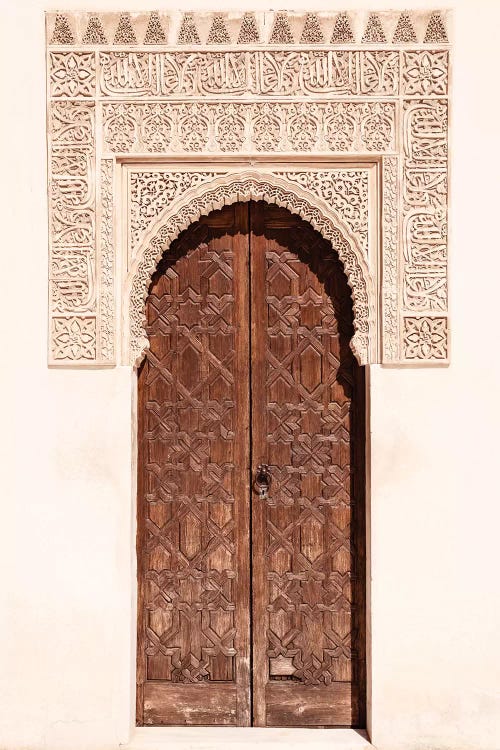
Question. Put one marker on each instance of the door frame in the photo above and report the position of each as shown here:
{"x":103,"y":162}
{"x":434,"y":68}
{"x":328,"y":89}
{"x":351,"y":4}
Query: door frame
{"x":124,"y":240}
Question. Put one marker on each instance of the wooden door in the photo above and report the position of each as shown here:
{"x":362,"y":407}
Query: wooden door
{"x":193,"y":521}
{"x":308,"y":550}
{"x":249,"y":319}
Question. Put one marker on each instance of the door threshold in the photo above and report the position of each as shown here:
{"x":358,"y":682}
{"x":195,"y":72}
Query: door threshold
{"x":268,"y":738}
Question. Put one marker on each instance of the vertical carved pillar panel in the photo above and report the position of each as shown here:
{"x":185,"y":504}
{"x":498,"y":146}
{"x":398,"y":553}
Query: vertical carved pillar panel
{"x":316,"y":100}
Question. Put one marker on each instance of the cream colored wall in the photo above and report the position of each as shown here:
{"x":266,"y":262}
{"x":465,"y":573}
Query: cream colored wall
{"x":66,"y":623}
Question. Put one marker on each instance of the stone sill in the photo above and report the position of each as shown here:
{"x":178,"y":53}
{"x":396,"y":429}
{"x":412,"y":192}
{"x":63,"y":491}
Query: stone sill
{"x":215,"y":738}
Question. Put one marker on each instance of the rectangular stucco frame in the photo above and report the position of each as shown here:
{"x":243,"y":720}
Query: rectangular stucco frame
{"x":289,"y":107}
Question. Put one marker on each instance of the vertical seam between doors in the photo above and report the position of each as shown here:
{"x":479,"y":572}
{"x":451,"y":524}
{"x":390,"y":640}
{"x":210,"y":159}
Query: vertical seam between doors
{"x":250,"y":437}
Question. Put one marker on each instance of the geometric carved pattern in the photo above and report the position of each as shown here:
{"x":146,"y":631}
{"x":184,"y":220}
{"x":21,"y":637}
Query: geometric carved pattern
{"x":189,"y":494}
{"x":193,"y":601}
{"x":125,"y":33}
{"x":62,"y":33}
{"x":309,"y":392}
{"x":154,"y":32}
{"x":281,"y":33}
{"x":249,"y":33}
{"x":425,"y":338}
{"x":312,"y":32}
{"x":150,"y":192}
{"x":313,"y":600}
{"x":386,"y":99}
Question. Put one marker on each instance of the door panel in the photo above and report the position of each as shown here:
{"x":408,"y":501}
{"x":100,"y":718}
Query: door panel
{"x":249,"y":319}
{"x":193,"y":636}
{"x":308,"y":556}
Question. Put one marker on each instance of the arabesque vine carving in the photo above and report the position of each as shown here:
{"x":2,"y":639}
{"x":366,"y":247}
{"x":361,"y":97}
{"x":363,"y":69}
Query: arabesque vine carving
{"x":317,"y":88}
{"x":332,"y":127}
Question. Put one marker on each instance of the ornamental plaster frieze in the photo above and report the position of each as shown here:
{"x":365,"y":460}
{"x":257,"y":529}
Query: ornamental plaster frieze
{"x":319,"y":88}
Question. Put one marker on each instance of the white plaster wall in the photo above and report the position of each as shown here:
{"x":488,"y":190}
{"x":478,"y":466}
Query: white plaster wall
{"x":66,"y":627}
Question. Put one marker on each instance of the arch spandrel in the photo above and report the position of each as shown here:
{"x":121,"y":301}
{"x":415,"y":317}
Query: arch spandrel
{"x":246,"y":186}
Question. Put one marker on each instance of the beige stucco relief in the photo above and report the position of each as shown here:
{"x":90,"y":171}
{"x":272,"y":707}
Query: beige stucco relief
{"x":341,"y":117}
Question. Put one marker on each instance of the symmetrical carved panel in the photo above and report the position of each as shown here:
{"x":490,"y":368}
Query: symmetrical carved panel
{"x":333,"y":127}
{"x":249,"y":86}
{"x":312,"y":600}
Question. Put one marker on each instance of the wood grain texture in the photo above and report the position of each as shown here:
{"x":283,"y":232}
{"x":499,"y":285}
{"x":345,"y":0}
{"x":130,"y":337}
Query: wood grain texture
{"x":204,"y":704}
{"x":308,"y":536}
{"x":249,"y":319}
{"x":298,"y":705}
{"x":193,"y":476}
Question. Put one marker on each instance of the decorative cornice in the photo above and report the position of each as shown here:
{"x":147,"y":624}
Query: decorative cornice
{"x":282,"y":28}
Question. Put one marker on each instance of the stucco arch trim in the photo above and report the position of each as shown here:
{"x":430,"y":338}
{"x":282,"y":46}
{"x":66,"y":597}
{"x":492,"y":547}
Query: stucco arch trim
{"x":246,"y":186}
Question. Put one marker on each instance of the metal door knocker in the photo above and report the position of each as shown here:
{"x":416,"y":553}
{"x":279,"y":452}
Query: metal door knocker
{"x":263,"y":481}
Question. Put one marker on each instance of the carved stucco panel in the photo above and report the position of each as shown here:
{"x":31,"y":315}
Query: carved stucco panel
{"x":185,"y":127}
{"x":317,"y":86}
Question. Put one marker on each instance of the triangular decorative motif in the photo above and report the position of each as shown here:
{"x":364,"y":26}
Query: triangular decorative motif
{"x":94,"y":33}
{"x":404,"y":30}
{"x":248,"y":31}
{"x":124,"y":33}
{"x":62,"y":33}
{"x":281,"y":33}
{"x":154,"y":32}
{"x":342,"y":32}
{"x":188,"y":33}
{"x":218,"y":33}
{"x":374,"y":33}
{"x":436,"y":32}
{"x":312,"y":32}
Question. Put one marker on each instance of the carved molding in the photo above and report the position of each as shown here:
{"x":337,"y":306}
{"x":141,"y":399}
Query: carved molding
{"x":314,"y":89}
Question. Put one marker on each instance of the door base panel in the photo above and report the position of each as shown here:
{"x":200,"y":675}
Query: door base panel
{"x":290,"y":704}
{"x":180,"y":704}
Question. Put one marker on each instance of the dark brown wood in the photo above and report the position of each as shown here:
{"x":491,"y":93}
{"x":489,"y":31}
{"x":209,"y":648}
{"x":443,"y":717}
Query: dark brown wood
{"x":251,"y":303}
{"x":190,"y":704}
{"x":298,"y":705}
{"x":308,"y":541}
{"x":193,"y":527}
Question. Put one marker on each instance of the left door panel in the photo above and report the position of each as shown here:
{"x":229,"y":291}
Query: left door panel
{"x":193,"y":481}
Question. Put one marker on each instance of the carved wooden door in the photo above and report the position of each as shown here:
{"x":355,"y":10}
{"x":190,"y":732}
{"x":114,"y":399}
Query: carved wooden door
{"x":251,"y":481}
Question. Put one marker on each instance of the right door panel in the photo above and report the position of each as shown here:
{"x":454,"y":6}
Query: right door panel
{"x":308,"y":534}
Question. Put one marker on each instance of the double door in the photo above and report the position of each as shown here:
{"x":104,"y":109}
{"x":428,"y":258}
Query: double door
{"x":251,"y":565}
